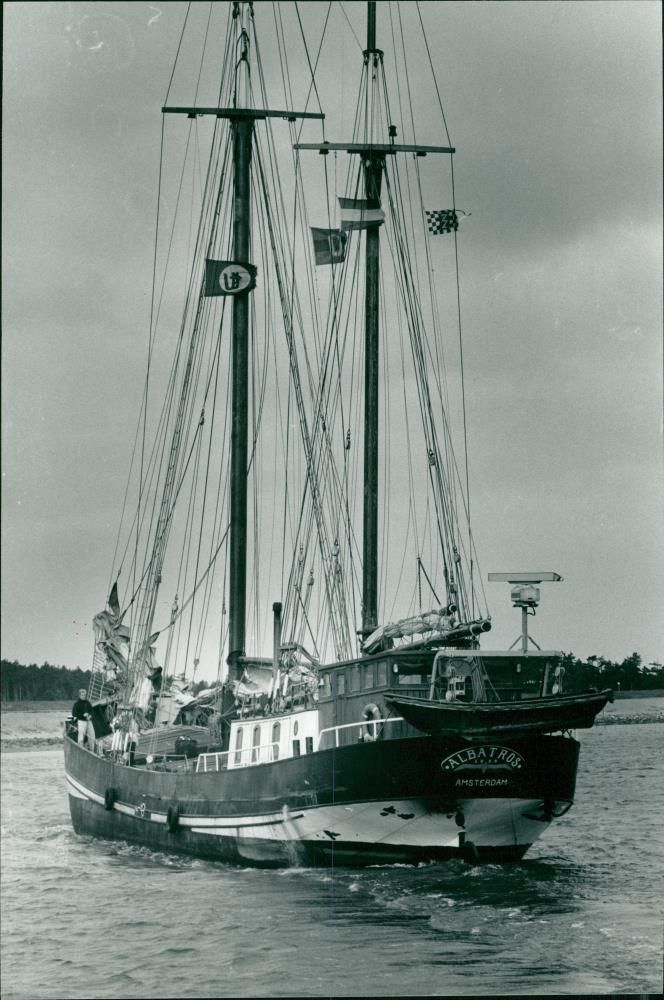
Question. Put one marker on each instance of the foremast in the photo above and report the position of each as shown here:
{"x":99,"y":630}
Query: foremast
{"x":243,"y":119}
{"x":242,"y":129}
{"x":374,"y":164}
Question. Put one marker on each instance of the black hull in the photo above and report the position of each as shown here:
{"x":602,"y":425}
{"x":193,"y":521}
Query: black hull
{"x":408,"y":800}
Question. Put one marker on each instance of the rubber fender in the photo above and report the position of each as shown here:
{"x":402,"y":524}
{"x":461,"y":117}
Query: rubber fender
{"x":173,"y":818}
{"x":110,"y":795}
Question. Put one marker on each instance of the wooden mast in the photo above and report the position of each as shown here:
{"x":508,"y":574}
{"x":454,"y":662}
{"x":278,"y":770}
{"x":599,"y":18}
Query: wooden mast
{"x":373,"y":161}
{"x":242,"y":129}
{"x":373,"y":174}
{"x":242,"y":121}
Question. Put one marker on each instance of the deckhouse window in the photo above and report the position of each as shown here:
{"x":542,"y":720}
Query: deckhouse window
{"x":256,"y":743}
{"x":410,"y":679}
{"x":276,"y":736}
{"x":368,"y":676}
{"x":341,"y":682}
{"x":355,"y":677}
{"x":382,"y":674}
{"x":238,"y":746}
{"x":309,"y":744}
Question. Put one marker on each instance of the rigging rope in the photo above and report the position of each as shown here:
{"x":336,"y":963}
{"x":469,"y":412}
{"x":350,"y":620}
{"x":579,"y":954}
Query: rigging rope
{"x":324,"y":369}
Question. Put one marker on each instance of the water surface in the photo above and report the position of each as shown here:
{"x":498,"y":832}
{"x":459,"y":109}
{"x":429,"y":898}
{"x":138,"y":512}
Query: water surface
{"x":582,"y":914}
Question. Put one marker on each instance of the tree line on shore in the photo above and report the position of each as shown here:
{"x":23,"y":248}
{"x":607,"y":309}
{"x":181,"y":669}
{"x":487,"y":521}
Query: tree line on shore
{"x":45,"y":683}
{"x":19,"y":682}
{"x":631,"y":674}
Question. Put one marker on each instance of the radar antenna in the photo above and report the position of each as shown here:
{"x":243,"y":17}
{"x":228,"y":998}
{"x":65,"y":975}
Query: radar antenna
{"x":525,"y":595}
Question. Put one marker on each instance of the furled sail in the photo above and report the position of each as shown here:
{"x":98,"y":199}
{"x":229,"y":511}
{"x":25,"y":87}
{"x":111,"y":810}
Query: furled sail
{"x":111,"y":654}
{"x":432,"y":621}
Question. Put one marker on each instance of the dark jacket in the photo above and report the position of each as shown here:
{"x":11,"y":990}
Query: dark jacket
{"x":82,"y":707}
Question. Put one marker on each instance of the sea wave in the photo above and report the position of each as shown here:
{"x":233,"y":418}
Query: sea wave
{"x":29,"y":742}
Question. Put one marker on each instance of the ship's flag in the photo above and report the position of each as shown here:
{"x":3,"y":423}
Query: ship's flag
{"x":358,"y":213}
{"x":443,"y":220}
{"x":329,"y":245}
{"x":228,"y":277}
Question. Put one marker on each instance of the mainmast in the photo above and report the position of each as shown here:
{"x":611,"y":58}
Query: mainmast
{"x":373,"y":156}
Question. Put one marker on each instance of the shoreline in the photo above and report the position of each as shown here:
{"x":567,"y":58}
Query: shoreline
{"x":65,"y":706}
{"x":656,"y":693}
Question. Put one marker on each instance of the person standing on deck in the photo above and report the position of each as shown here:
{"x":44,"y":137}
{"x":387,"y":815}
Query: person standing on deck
{"x":82,"y":715}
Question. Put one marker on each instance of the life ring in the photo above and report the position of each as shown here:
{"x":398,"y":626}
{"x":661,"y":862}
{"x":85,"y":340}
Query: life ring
{"x":110,"y":795}
{"x":372,"y":715}
{"x":173,"y":818}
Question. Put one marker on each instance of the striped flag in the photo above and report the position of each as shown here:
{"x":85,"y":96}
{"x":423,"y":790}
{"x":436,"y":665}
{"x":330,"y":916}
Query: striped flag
{"x":358,"y":213}
{"x":329,"y":245}
{"x":444,"y":220}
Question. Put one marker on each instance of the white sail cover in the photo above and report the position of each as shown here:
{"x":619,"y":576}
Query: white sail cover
{"x":259,"y":680}
{"x":256,"y":680}
{"x":430,"y":621}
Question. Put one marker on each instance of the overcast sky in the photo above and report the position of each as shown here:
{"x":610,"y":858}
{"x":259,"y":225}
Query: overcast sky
{"x":555,"y":110}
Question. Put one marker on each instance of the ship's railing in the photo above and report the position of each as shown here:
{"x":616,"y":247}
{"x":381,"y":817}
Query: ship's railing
{"x":245,"y":757}
{"x":217,"y":761}
{"x":223,"y":760}
{"x":367,"y":730}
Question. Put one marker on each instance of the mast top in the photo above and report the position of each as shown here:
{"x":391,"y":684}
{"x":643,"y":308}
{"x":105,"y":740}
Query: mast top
{"x":371,"y":25}
{"x":371,"y":49}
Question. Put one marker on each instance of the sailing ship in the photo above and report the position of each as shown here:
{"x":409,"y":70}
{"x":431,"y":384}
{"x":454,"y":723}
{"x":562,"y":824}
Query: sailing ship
{"x":336,"y":732}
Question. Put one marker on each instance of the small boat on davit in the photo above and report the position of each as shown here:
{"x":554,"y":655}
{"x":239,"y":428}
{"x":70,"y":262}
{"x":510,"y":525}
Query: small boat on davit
{"x":297,"y":481}
{"x":479,"y":720}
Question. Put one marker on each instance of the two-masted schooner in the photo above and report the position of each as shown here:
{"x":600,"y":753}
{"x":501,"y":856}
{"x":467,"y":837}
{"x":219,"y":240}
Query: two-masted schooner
{"x":303,"y":446}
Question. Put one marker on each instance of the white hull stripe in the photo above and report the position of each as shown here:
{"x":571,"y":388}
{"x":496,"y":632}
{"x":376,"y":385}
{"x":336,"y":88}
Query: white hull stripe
{"x":488,"y":822}
{"x":199,"y":824}
{"x":81,"y":792}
